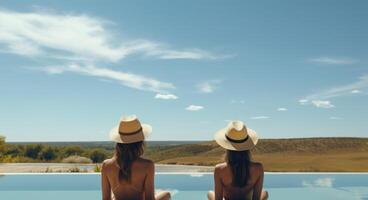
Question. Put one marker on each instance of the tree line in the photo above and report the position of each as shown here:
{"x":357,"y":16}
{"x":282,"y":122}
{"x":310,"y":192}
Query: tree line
{"x":48,"y":153}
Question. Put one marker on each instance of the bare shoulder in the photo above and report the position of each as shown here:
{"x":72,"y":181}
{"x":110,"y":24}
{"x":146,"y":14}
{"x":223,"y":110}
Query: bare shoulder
{"x":146,"y":163}
{"x":256,"y":167}
{"x":107,"y":164}
{"x":108,"y":161}
{"x":220,"y":167}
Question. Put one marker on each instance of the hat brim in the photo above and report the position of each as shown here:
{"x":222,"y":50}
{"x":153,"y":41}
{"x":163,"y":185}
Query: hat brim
{"x":220,"y":138}
{"x":127,"y":139}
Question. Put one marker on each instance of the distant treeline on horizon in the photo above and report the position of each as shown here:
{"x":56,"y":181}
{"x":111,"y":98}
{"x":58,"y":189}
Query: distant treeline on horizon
{"x":109,"y":144}
{"x":70,"y":152}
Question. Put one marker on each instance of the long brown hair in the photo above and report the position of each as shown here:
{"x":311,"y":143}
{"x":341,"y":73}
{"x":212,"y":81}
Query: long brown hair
{"x":239,"y":162}
{"x":125,"y":154}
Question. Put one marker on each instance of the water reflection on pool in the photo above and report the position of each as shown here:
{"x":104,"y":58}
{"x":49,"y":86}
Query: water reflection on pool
{"x":194,"y":186}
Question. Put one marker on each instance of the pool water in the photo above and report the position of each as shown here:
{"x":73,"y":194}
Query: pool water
{"x":283,"y":186}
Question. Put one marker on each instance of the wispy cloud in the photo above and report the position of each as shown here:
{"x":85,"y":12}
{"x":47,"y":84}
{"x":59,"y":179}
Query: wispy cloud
{"x":194,"y":108}
{"x":303,"y":101}
{"x":322,"y":104}
{"x":166,"y":96}
{"x":333,"y":61}
{"x":86,"y":41}
{"x":195,"y":54}
{"x":282,"y":109}
{"x":126,"y":79}
{"x":342,"y":90}
{"x":208,"y":86}
{"x":336,"y":118}
{"x":317,"y":103}
{"x":260,"y":117}
{"x":356,"y":91}
{"x":79,"y":37}
{"x":322,"y":98}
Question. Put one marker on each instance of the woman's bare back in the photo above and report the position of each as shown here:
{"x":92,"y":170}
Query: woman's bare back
{"x":223,"y":175}
{"x":141,"y":186}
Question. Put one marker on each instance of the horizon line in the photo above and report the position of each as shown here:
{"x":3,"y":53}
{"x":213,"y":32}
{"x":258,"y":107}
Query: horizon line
{"x":327,"y":137}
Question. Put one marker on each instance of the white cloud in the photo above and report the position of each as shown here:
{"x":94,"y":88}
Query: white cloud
{"x":303,"y":101}
{"x":356,"y":91}
{"x":126,"y":79}
{"x":334,"y":92}
{"x":333,"y":61}
{"x":66,"y":35}
{"x":335,"y":118}
{"x":166,"y":96}
{"x":208,"y":86}
{"x":86,"y":42}
{"x":260,"y":117}
{"x":195,"y":54}
{"x":194,"y":108}
{"x":322,"y":104}
{"x":78,"y":37}
{"x":282,"y":109}
{"x":341,"y":90}
{"x":321,"y":182}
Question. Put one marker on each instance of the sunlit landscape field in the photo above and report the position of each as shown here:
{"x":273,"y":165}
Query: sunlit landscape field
{"x":301,"y":155}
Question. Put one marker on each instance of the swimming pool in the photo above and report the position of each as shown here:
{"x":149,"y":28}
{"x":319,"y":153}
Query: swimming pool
{"x":292,"y":186}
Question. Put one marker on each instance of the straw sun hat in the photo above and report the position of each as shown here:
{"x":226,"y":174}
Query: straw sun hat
{"x":130,"y":130}
{"x":236,"y":137}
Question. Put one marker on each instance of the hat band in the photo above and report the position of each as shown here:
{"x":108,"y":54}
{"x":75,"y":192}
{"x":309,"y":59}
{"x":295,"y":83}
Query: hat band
{"x":237,"y":141}
{"x":131,"y":133}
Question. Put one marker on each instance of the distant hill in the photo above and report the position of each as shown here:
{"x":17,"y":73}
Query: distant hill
{"x":303,"y":154}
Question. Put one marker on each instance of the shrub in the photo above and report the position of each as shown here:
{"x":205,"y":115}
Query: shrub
{"x":2,"y":146}
{"x":97,"y":168}
{"x":76,"y":159}
{"x":98,"y":155}
{"x":47,"y":154}
{"x":14,"y":150}
{"x":72,"y":151}
{"x":15,"y":159}
{"x":32,"y":150}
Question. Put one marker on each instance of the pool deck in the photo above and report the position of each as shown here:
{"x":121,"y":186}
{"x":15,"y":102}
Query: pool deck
{"x":87,"y":168}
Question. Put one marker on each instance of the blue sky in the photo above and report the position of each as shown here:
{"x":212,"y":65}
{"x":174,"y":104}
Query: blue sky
{"x":69,"y":70}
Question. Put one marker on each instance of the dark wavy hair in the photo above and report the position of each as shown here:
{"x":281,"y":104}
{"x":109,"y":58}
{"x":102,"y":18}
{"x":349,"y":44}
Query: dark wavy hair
{"x":239,"y":162}
{"x":125,"y":154}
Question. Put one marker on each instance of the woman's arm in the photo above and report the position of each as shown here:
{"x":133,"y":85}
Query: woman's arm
{"x":149,"y":183}
{"x":106,"y":189}
{"x":218,"y":185}
{"x":257,"y":190}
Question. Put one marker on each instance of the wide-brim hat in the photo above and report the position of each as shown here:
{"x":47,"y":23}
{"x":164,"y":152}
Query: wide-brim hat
{"x":236,"y":137}
{"x":130,"y":130}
